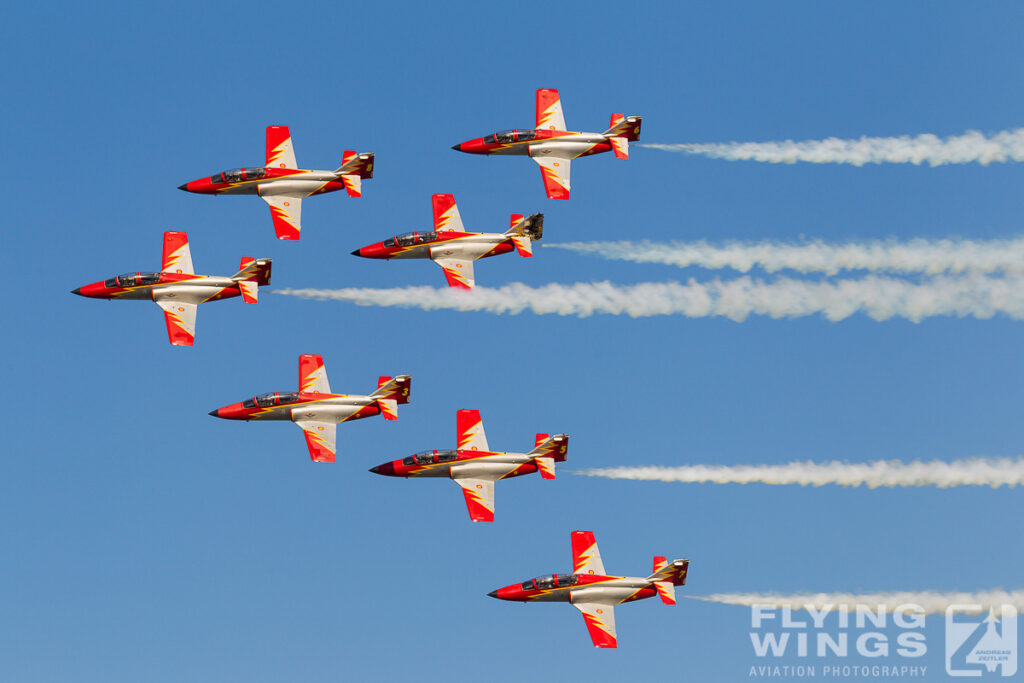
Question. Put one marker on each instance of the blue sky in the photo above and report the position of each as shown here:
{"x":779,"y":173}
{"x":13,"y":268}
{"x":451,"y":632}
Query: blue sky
{"x":145,"y":540}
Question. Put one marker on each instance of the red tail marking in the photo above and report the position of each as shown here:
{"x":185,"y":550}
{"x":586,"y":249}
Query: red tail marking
{"x":541,"y":438}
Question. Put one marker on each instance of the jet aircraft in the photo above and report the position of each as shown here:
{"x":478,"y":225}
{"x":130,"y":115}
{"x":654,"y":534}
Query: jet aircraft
{"x":316,"y":410}
{"x":475,"y":467}
{"x":594,"y":593}
{"x":454,"y":249}
{"x":552,"y":146}
{"x":178,"y":290}
{"x":283,"y":185}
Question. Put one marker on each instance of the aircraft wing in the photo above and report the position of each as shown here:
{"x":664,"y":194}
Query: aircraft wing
{"x":600,"y":619}
{"x":313,"y":374}
{"x":555,"y":171}
{"x":479,"y":498}
{"x":286,"y":210}
{"x":459,"y":271}
{"x":181,"y":321}
{"x":446,"y":214}
{"x":177,"y":256}
{"x":470,"y":427}
{"x":586,"y":558}
{"x":321,"y":439}
{"x":549,"y":110}
{"x":280,"y":153}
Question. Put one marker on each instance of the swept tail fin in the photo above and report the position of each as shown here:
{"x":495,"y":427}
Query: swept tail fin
{"x":252,"y":273}
{"x":394,"y":390}
{"x":627,"y":127}
{"x":354,"y":167}
{"x":666,"y":576}
{"x":547,"y":451}
{"x":525,"y":231}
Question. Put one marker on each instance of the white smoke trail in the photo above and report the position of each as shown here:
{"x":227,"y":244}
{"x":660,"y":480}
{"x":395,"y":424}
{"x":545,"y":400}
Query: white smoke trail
{"x":930,"y":257}
{"x":932,"y":602}
{"x":877,"y":297}
{"x":971,"y":147}
{"x":994,"y":472}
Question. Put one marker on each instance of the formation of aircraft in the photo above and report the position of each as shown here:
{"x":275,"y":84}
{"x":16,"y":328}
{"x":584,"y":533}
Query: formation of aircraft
{"x":454,"y":249}
{"x":475,"y":467}
{"x":552,"y":146}
{"x":283,"y":185}
{"x":594,"y":593}
{"x":178,"y":290}
{"x":318,"y":411}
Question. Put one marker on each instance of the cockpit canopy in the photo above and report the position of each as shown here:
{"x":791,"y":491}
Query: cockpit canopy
{"x":132,"y":280}
{"x":430,"y":457}
{"x":237,"y":175}
{"x":408,"y":239}
{"x":270,"y":400}
{"x":504,"y":137}
{"x":550,"y":581}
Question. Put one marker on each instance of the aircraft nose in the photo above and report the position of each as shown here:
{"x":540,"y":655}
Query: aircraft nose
{"x":77,"y":290}
{"x":387,"y":469}
{"x":493,"y":594}
{"x":214,"y":413}
{"x":183,"y":186}
{"x":458,"y":147}
{"x":356,"y":252}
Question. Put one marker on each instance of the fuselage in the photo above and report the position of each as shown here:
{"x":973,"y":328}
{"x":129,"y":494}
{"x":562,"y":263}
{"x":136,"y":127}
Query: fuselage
{"x":150,"y":286}
{"x":536,"y":143}
{"x":578,"y":588}
{"x":267,"y":182}
{"x":450,"y":464}
{"x":470,"y":245}
{"x":294,"y":406}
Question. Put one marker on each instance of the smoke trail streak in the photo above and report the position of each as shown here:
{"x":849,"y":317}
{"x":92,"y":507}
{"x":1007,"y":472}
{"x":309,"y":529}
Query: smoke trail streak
{"x":971,"y":147}
{"x":932,"y":602}
{"x":877,"y":297}
{"x":930,"y":257}
{"x":994,"y":472}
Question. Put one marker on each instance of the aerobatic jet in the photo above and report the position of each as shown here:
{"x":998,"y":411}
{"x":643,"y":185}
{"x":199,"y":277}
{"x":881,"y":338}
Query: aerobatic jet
{"x":316,"y":410}
{"x":554,"y":147}
{"x":283,"y":185}
{"x":475,"y":467}
{"x":178,"y":290}
{"x":593,"y":592}
{"x":454,"y":249}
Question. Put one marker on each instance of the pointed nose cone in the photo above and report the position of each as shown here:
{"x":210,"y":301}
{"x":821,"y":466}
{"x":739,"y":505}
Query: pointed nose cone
{"x":77,"y":290}
{"x":356,"y":252}
{"x":214,"y":413}
{"x":458,"y":147}
{"x":387,"y":469}
{"x":493,"y":594}
{"x":183,"y":186}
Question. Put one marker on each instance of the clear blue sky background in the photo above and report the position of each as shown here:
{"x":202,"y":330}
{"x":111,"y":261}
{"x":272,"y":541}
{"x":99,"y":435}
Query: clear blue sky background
{"x":144,"y":540}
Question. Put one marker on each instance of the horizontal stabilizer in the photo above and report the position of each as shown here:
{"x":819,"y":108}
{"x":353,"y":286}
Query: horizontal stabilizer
{"x":546,"y":466}
{"x":250,"y":291}
{"x":388,"y":408}
{"x":620,"y":146}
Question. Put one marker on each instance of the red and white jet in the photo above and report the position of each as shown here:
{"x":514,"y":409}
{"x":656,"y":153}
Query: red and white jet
{"x":283,"y":185}
{"x":475,"y":467}
{"x":554,"y":147}
{"x":316,"y":410}
{"x":593,"y":592}
{"x":178,"y":290}
{"x":454,"y":249}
